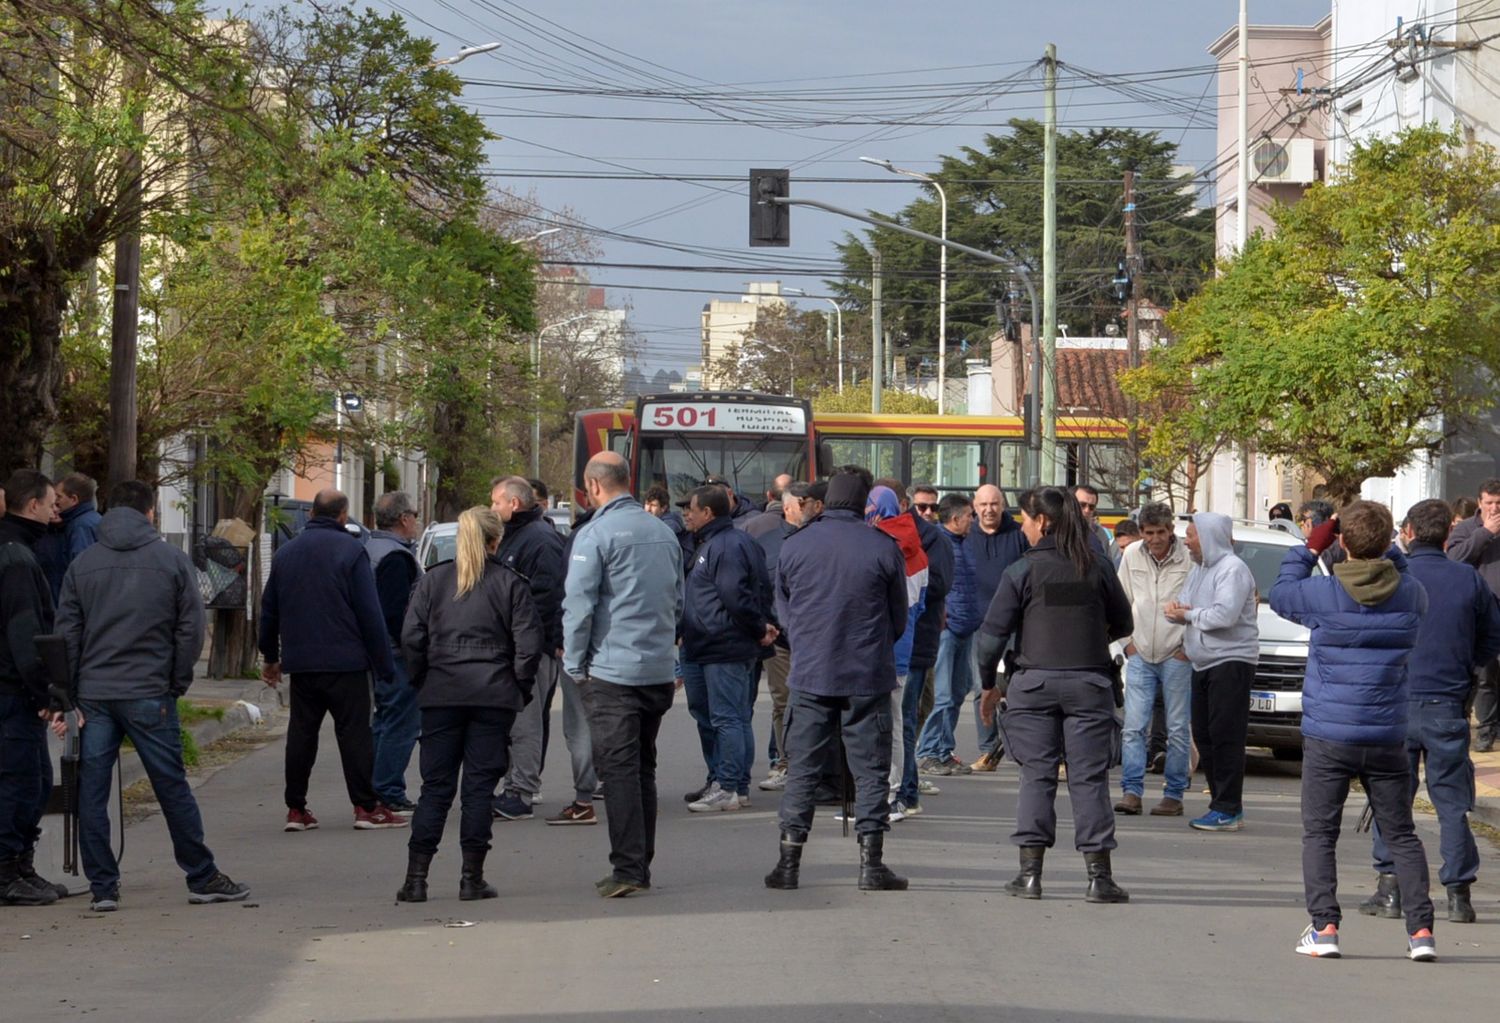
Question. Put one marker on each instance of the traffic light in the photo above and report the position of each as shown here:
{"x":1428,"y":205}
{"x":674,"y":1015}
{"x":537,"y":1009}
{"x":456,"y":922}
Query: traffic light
{"x":770,"y":223}
{"x":1121,"y":282}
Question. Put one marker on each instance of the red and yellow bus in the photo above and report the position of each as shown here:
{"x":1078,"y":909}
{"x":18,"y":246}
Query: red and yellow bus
{"x":749,"y":439}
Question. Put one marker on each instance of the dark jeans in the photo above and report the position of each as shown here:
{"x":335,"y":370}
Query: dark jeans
{"x":476,"y":739}
{"x":1438,"y":732}
{"x":1221,"y":721}
{"x":1487,"y":701}
{"x":624,"y":721}
{"x":1327,"y":768}
{"x":1050,"y":718}
{"x":25,"y":774}
{"x":394,"y":731}
{"x":345,"y":696}
{"x":152,"y":727}
{"x":813,"y":725}
{"x":911,"y":724}
{"x":730,"y":690}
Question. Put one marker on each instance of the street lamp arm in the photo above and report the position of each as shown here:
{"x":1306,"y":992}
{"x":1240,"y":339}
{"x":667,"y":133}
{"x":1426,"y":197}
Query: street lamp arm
{"x":988,"y":257}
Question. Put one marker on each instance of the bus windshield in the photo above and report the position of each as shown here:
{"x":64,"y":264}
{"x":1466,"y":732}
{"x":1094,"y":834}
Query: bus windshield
{"x":750,"y":464}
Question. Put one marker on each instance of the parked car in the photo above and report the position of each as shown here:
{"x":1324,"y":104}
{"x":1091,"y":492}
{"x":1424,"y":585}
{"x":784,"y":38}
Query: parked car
{"x":562,"y":518}
{"x":439,"y":543}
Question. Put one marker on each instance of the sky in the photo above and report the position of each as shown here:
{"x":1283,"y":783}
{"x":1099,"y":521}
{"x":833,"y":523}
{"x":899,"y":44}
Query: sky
{"x":605,"y":107}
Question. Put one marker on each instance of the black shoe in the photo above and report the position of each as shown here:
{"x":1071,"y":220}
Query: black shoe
{"x":1159,"y":764}
{"x":826,"y":795}
{"x":1028,"y":883}
{"x":784,"y":877}
{"x":874,"y":875}
{"x":219,"y":888}
{"x":415,"y":887}
{"x":400,"y":804}
{"x":1460,"y":909}
{"x":697,"y":794}
{"x":1386,"y":902}
{"x":472,"y":885}
{"x":1102,"y":887}
{"x":25,"y":868}
{"x":106,"y":903}
{"x":1484,"y":742}
{"x":15,"y":890}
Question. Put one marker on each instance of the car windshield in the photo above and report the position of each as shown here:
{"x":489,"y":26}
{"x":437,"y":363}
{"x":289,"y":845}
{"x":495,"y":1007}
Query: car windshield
{"x":1264,"y":560}
{"x":443,"y":547}
{"x":680,"y":462}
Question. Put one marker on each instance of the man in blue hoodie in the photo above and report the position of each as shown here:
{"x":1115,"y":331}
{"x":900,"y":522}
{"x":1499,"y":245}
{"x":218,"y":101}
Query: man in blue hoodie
{"x":1460,"y":630}
{"x":953,"y":674}
{"x":1364,"y":621}
{"x":1222,"y":639}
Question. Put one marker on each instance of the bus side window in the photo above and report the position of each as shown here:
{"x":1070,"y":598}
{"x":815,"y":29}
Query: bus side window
{"x":881,"y":457}
{"x":949,"y":464}
{"x":1014,"y":457}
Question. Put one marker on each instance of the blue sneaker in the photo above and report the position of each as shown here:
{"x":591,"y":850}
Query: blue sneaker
{"x":1420,"y":947}
{"x":511,"y":807}
{"x":1216,"y":821}
{"x":1322,"y":944}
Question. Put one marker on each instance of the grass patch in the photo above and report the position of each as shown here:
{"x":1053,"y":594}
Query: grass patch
{"x":191,"y":713}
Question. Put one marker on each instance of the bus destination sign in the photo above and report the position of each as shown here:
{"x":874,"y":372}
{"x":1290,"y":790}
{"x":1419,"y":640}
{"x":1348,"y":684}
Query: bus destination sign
{"x":722,"y":417}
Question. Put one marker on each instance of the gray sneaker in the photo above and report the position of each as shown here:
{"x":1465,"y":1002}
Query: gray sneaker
{"x":218,"y":888}
{"x":716,"y":799}
{"x":106,"y":903}
{"x":932,"y":765}
{"x":927,"y":788}
{"x":775,"y":781}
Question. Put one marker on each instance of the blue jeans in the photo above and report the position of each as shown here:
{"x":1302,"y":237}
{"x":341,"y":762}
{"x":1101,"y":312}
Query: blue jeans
{"x":152,"y":727}
{"x":395,"y":728}
{"x":989,"y":734}
{"x":1438,"y":730}
{"x":695,"y":690}
{"x":953,"y":678}
{"x":1142,"y":679}
{"x":730,"y":691}
{"x":911,"y":701}
{"x":25,"y":774}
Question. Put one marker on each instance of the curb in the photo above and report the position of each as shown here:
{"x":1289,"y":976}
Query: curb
{"x":241,"y":715}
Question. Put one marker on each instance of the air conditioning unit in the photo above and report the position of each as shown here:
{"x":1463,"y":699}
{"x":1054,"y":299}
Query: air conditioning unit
{"x":1282,"y":162}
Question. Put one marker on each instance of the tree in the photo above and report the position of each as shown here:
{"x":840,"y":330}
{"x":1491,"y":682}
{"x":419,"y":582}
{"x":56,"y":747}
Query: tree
{"x":1352,"y":338}
{"x":994,"y":195}
{"x":784,"y":352}
{"x":856,"y":398}
{"x":79,"y":83}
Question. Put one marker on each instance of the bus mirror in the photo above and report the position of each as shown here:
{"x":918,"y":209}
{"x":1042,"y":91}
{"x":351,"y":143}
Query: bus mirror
{"x":825,"y":459}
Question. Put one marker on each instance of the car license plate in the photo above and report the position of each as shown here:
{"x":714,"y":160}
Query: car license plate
{"x":1264,"y":703}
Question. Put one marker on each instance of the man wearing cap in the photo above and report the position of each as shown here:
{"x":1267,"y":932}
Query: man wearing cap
{"x":741,"y":510}
{"x":841,"y":596}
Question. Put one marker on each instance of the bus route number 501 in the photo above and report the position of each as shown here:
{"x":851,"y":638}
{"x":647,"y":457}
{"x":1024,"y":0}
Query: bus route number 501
{"x":684,"y":417}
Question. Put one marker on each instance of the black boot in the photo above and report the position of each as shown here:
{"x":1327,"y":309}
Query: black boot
{"x":472,"y":884}
{"x":874,"y":875}
{"x":1460,"y":909}
{"x":1386,"y":901}
{"x":26,"y":868}
{"x":415,"y":888}
{"x":15,"y":890}
{"x":1102,"y":887}
{"x":1028,"y":883}
{"x":784,"y":876}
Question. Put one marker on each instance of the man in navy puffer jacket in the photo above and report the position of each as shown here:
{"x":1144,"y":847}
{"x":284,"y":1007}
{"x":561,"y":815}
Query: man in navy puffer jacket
{"x":1364,"y":620}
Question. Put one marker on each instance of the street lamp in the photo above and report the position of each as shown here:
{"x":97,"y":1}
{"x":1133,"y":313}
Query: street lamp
{"x":539,"y":234}
{"x":839,"y":312}
{"x":536,"y":369}
{"x":942,"y":271}
{"x":465,"y":54}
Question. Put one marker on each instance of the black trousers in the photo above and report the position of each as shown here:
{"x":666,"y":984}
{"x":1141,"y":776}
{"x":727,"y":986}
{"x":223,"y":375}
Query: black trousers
{"x":1327,"y":768}
{"x":1048,"y":720}
{"x":814,"y":725}
{"x":1156,"y":742}
{"x":624,"y":722}
{"x":1221,"y":721}
{"x":1487,"y":701}
{"x":346,"y":696}
{"x":476,"y":739}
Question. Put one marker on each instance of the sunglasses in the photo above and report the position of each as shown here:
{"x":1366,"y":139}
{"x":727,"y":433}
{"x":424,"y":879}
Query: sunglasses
{"x":1087,"y":504}
{"x":923,"y":507}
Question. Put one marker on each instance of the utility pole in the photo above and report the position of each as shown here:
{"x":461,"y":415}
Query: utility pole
{"x":1132,"y":337}
{"x":877,"y":355}
{"x":125,"y":324}
{"x":1048,"y":379}
{"x":1242,"y":229}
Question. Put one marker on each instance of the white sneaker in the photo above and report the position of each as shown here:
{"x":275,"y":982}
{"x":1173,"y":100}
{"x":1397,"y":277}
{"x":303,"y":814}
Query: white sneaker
{"x":744,"y":800}
{"x":715,"y":799}
{"x":775,"y":781}
{"x":927,"y":788}
{"x":915,"y":810}
{"x":898,"y":812}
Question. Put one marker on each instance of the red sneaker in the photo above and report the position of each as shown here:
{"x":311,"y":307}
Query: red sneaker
{"x":380,"y":817}
{"x":299,"y":820}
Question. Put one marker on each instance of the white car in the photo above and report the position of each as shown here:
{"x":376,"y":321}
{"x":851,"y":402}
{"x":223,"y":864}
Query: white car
{"x":439,"y":543}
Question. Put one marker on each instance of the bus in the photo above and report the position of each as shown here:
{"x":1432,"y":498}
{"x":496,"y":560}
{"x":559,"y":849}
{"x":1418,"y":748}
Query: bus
{"x":749,"y":439}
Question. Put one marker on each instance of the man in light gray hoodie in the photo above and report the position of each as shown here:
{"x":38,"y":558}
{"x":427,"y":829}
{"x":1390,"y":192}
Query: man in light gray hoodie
{"x":1222,"y":639}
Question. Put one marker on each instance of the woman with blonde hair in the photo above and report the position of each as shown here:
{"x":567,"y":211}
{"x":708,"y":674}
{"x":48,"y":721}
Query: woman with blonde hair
{"x":472,"y":641}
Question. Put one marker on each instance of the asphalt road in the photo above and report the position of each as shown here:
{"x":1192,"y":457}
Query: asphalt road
{"x":1208,"y":934}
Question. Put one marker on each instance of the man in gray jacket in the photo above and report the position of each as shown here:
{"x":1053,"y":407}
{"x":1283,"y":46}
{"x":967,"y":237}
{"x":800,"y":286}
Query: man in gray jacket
{"x":133,"y":620}
{"x":621,"y":607}
{"x":1222,"y":639}
{"x":1476,"y":541}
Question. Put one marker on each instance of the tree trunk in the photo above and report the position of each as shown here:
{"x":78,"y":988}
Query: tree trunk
{"x":234,"y":649}
{"x":31,"y":310}
{"x":449,"y":423}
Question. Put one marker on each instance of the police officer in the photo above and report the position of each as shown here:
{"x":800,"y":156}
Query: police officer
{"x":841,"y":595}
{"x":1064,"y":603}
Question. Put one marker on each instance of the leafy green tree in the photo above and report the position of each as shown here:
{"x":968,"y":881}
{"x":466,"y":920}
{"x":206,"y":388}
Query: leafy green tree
{"x":856,"y":398}
{"x":994,"y":200}
{"x":1352,"y":338}
{"x":785,"y":352}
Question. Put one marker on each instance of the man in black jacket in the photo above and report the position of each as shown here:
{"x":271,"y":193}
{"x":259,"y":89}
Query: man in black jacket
{"x":397,"y":720}
{"x":533,"y":547}
{"x":133,"y":619}
{"x":320,"y":620}
{"x":25,"y":764}
{"x":726,"y":620}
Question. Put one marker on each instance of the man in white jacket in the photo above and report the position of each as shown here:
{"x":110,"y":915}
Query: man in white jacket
{"x":1222,"y":639}
{"x":1153,"y":571}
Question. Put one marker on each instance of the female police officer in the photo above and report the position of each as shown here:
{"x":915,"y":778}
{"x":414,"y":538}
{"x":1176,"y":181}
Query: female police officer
{"x":1063,"y":605}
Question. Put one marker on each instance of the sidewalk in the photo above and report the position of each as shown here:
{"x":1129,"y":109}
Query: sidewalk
{"x":245,"y":702}
{"x":1487,"y":787}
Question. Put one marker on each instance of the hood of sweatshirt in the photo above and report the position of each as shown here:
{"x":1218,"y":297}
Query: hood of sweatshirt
{"x":1368,"y":582}
{"x":125,"y":529}
{"x":1215,"y":536}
